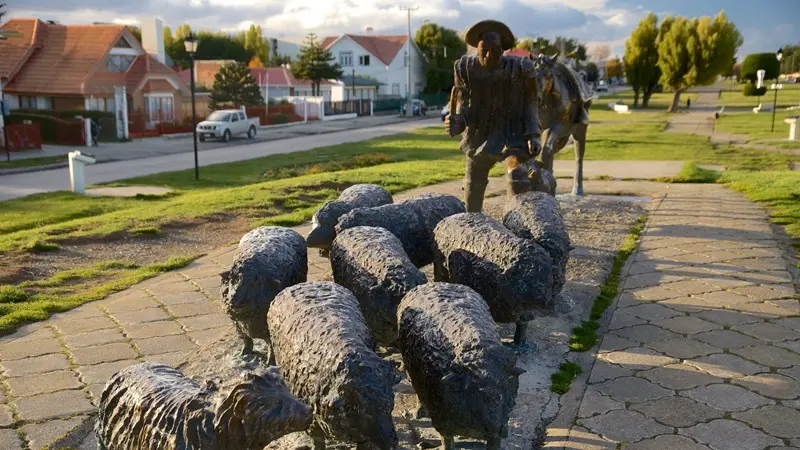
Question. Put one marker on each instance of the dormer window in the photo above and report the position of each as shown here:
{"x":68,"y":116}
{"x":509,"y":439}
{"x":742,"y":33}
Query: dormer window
{"x":123,"y":43}
{"x":119,"y":63}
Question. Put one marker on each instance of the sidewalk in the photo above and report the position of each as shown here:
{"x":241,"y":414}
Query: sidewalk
{"x":703,"y":349}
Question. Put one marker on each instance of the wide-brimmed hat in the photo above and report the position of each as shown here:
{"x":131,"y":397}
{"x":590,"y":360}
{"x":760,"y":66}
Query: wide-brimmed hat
{"x":475,"y":33}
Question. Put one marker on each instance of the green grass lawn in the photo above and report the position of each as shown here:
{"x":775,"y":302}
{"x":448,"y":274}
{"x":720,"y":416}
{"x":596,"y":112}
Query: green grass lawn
{"x":788,"y":96}
{"x":31,"y":162}
{"x":778,"y":191}
{"x":659,"y":100}
{"x":757,"y":126}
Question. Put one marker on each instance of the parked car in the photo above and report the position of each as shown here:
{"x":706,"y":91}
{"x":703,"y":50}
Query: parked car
{"x":445,"y":111}
{"x":225,"y":124}
{"x":602,"y":86}
{"x":417,"y":107}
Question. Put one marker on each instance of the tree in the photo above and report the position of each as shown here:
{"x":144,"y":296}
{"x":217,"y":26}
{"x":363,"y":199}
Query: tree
{"x":182,"y":32}
{"x":168,"y":39}
{"x":2,"y":10}
{"x":256,"y":43}
{"x":599,"y":52}
{"x":221,"y":46}
{"x":592,"y":72}
{"x":641,"y":59}
{"x":278,"y":60}
{"x":570,"y":47}
{"x":442,"y":47}
{"x":136,"y":32}
{"x":791,"y":58}
{"x":694,"y":52}
{"x":255,"y":62}
{"x":614,"y":68}
{"x":234,"y":86}
{"x":760,"y":61}
{"x":315,"y":64}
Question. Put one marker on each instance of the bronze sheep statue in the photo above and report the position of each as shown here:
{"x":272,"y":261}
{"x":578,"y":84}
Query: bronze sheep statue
{"x":461,"y":372}
{"x":267,"y":260}
{"x":153,"y":406}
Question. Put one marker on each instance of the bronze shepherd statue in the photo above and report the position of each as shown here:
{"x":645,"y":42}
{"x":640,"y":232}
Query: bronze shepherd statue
{"x":563,"y":104}
{"x":494,"y":104}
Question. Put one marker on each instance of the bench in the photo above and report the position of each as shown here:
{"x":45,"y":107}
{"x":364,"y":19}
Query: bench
{"x":623,"y":109}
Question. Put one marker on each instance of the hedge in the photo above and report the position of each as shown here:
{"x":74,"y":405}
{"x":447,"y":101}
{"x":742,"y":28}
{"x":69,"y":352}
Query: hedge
{"x":757,"y":61}
{"x":750,"y":90}
{"x":67,"y":114}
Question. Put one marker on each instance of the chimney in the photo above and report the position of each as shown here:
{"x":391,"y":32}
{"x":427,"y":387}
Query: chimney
{"x":153,"y":38}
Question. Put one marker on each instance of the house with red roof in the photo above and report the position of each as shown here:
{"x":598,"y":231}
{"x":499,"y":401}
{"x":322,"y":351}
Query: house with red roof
{"x":77,"y":67}
{"x":381,"y":58}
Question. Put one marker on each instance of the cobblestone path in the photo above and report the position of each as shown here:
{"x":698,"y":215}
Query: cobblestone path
{"x":703,"y":348}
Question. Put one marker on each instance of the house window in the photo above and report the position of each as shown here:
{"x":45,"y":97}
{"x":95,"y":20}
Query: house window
{"x":363,"y":60}
{"x":120,"y":63}
{"x":396,"y":89}
{"x":159,"y":108}
{"x":123,"y":43}
{"x":27,"y":102}
{"x":346,"y":59}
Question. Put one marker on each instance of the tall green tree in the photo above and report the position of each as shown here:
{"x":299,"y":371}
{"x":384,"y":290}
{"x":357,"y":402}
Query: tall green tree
{"x":315,"y":63}
{"x":570,"y":47}
{"x":694,"y":52}
{"x":221,"y":46}
{"x":168,"y":38}
{"x":255,"y":42}
{"x":641,"y":59}
{"x":234,"y":86}
{"x":182,"y":32}
{"x":442,"y":47}
{"x":791,"y":58}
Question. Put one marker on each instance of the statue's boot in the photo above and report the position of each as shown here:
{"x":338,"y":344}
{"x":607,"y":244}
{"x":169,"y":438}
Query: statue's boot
{"x":517,"y":175}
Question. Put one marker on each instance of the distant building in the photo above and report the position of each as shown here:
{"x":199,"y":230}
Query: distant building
{"x":76,"y":67}
{"x":382,"y":58}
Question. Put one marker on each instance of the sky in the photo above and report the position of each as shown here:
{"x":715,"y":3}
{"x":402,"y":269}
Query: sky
{"x":765,"y":24}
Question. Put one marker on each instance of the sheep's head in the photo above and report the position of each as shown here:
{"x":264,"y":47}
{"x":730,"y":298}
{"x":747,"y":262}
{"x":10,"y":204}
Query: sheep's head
{"x":323,"y":224}
{"x":257,"y":411}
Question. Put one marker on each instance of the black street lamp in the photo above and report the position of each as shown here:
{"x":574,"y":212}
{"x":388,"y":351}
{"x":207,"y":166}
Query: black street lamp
{"x":191,"y":48}
{"x":777,"y":86}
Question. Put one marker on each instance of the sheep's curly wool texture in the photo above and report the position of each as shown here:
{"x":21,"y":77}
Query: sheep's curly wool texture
{"x":513,"y":275}
{"x":412,"y":221}
{"x":460,"y":370}
{"x":153,"y":406}
{"x":536,"y":216}
{"x":372,"y":264}
{"x":267,"y":260}
{"x":324,"y":221}
{"x":325,"y":352}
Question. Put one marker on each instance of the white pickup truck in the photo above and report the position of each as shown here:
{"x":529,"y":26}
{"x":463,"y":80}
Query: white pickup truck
{"x":226,"y":123}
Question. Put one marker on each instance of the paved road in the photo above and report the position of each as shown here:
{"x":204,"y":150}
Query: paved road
{"x":20,"y":185}
{"x":167,"y":145}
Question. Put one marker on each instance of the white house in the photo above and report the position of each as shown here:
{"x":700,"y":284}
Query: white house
{"x":383,"y":58}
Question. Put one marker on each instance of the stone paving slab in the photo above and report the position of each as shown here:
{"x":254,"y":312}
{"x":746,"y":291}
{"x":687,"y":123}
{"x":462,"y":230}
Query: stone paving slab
{"x":703,"y":347}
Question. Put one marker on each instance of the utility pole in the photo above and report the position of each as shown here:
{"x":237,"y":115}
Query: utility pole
{"x":409,"y":109}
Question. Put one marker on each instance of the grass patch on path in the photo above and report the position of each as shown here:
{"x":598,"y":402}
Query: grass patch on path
{"x":562,"y":380}
{"x":690,"y":173}
{"x":37,"y":300}
{"x":584,"y":337}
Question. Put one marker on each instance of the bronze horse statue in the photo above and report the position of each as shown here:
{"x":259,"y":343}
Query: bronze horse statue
{"x":564,"y":101}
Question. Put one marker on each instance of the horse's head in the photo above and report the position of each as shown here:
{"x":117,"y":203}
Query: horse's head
{"x":543,"y":66}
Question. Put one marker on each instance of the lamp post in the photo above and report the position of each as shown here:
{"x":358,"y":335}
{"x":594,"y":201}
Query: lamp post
{"x":776,"y":86}
{"x":191,"y":48}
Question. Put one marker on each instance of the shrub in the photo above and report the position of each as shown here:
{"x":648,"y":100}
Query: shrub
{"x":750,"y":90}
{"x":757,"y":61}
{"x":280,"y":118}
